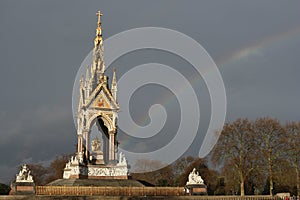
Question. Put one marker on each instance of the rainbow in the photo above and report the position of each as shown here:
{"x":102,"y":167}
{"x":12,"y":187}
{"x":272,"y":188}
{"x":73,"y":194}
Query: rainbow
{"x":256,"y":49}
{"x":273,"y":41}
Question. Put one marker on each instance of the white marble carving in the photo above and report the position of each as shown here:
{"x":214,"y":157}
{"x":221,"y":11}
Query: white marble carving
{"x":80,"y":158}
{"x":67,"y":174}
{"x":74,"y":168}
{"x":194,"y":178}
{"x":121,"y":171}
{"x":24,"y":175}
{"x":98,"y":172}
{"x":122,"y":160}
{"x":108,"y":171}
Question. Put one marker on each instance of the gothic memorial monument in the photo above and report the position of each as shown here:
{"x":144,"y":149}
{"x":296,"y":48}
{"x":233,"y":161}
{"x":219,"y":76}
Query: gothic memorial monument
{"x":96,"y":159}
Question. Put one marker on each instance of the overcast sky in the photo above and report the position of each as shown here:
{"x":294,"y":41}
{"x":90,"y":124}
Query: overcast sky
{"x":255,"y":44}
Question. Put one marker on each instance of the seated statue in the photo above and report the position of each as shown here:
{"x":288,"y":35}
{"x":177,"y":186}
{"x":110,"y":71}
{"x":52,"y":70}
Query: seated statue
{"x":96,"y":156}
{"x":96,"y":144}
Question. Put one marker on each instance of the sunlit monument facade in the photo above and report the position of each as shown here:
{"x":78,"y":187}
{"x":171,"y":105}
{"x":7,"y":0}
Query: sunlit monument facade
{"x":96,"y":159}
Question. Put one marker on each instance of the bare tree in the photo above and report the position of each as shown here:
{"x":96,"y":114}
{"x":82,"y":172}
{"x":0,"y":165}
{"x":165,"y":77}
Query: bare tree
{"x":284,"y":176}
{"x":269,"y":135}
{"x":232,"y":180}
{"x":39,"y":173}
{"x":56,"y":167}
{"x":293,"y":149}
{"x":236,"y":148}
{"x":45,"y":174}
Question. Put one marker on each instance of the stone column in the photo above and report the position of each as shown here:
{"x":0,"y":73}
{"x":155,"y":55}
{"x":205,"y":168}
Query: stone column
{"x":87,"y":142}
{"x":79,"y":144}
{"x":111,"y":154}
{"x":87,"y":145}
{"x":105,"y":147}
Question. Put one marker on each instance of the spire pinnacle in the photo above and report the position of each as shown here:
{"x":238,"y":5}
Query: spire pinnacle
{"x":114,"y":85}
{"x":114,"y":79}
{"x":99,"y":14}
{"x":98,"y":38}
{"x":98,"y":61}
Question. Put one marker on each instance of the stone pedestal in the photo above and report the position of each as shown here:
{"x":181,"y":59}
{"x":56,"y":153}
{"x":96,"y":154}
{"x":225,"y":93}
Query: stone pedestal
{"x":195,"y":189}
{"x":96,"y":172}
{"x":76,"y":168}
{"x":24,"y":183}
{"x":97,"y":158}
{"x":23,"y":188}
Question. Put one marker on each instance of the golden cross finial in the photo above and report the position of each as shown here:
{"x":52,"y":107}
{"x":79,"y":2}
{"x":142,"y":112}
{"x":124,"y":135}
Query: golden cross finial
{"x":99,"y":14}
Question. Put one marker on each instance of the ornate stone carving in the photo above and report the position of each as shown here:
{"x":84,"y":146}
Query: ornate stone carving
{"x":24,"y":175}
{"x":74,"y":168}
{"x":99,"y":172}
{"x":108,"y":171}
{"x":122,"y":160}
{"x":194,"y":178}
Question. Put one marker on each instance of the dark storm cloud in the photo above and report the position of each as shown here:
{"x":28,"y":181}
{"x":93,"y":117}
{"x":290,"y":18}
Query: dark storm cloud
{"x":35,"y":135}
{"x":42,"y":44}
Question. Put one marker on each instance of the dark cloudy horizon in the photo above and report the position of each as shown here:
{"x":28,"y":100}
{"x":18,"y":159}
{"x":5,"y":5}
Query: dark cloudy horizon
{"x":255,"y":44}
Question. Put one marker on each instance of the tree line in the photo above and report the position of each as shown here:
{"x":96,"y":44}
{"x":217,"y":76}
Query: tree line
{"x":261,"y":156}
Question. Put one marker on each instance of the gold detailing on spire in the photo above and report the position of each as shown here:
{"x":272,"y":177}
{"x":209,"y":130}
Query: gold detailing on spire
{"x":98,"y":68}
{"x":98,"y":38}
{"x":99,"y":14}
{"x":81,"y":82}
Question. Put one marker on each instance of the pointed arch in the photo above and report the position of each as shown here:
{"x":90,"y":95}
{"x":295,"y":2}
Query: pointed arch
{"x":107,"y":121}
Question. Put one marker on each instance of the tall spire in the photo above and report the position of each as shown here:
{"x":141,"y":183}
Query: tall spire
{"x":98,"y":61}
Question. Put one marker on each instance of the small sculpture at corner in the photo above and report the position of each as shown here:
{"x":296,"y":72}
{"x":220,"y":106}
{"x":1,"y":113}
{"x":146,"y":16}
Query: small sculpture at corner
{"x":195,"y":185}
{"x":122,"y":160}
{"x":194,"y":178}
{"x":24,"y":175}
